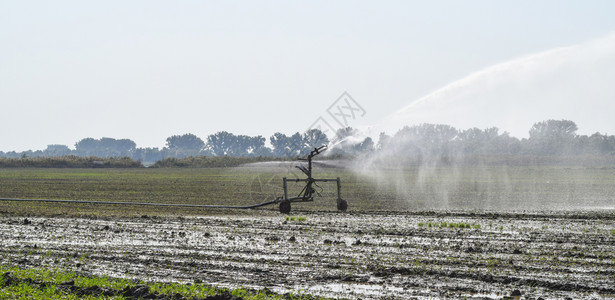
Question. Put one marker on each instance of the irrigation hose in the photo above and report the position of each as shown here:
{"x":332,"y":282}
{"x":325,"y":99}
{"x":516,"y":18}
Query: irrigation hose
{"x":141,"y":203}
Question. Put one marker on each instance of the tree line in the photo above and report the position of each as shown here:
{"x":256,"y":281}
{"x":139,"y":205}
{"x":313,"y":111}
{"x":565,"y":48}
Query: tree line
{"x":549,"y":142}
{"x":546,"y":138}
{"x":222,"y":143}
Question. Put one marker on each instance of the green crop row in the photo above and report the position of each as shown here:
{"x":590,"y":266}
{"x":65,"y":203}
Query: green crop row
{"x":19,"y":283}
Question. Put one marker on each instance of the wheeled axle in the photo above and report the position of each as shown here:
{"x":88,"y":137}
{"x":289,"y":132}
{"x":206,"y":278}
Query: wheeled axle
{"x":307,"y":193}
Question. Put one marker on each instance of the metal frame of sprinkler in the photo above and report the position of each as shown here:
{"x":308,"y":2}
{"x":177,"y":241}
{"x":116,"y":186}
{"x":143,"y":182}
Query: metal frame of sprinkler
{"x":308,"y":191}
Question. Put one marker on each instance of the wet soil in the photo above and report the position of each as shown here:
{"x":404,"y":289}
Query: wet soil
{"x":357,"y":256}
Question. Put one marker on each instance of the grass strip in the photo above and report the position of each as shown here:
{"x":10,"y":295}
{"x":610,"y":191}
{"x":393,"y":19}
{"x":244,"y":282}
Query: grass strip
{"x":19,"y":283}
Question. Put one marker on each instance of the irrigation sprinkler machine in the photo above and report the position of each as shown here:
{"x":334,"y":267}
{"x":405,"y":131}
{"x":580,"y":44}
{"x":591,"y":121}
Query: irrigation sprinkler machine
{"x":308,"y":191}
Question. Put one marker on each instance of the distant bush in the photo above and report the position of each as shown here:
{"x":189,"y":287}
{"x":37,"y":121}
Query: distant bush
{"x":208,"y":161}
{"x":69,"y":161}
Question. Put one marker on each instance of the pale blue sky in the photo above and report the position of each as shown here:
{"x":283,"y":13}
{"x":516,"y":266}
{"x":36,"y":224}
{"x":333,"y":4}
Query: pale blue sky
{"x":146,"y":70}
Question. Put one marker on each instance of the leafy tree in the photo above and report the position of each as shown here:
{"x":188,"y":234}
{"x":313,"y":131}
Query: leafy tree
{"x":564,"y":129}
{"x":347,"y":141}
{"x":366,"y":146}
{"x":288,"y":146}
{"x":220,"y":143}
{"x":477,"y":141}
{"x":105,"y":147}
{"x":225,"y":143}
{"x":506,"y":144}
{"x":296,"y":144}
{"x":57,"y":150}
{"x":313,"y":138}
{"x":86,"y":146}
{"x":256,"y":146}
{"x":281,"y":144}
{"x":595,"y":144}
{"x":112,"y":147}
{"x":426,"y":139}
{"x":383,"y":141}
{"x":552,"y":136}
{"x":187,"y":142}
{"x":243,"y":145}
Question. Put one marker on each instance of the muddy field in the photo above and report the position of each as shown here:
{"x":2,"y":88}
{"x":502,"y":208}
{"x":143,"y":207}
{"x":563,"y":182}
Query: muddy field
{"x":346,"y":255}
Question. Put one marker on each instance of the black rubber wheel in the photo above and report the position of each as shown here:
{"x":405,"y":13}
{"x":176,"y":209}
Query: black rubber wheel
{"x":285,"y":207}
{"x":342,"y":205}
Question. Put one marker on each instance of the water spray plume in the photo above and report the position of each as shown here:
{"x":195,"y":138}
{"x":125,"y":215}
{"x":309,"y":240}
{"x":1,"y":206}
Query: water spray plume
{"x":426,"y":170}
{"x":574,"y":82}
